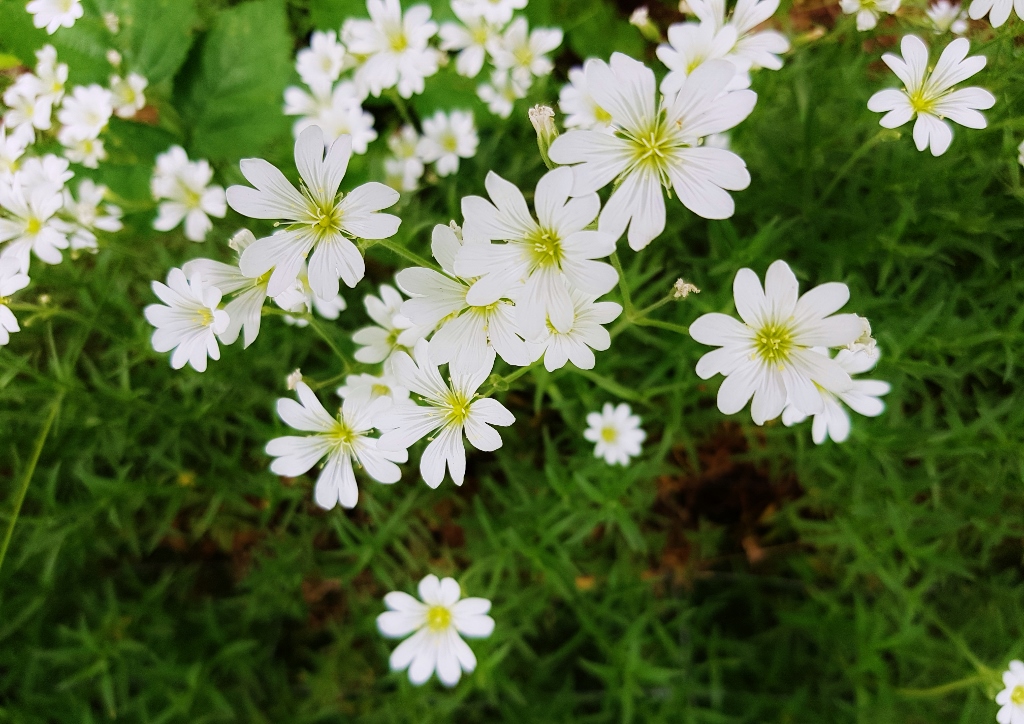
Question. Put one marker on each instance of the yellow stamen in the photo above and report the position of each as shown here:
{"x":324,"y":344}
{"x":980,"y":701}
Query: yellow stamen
{"x":439,"y":618}
{"x":773,"y":343}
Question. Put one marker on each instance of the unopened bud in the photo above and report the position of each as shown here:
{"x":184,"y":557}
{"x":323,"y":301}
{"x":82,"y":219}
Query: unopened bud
{"x":642,"y":20}
{"x":241,"y":240}
{"x":114,"y":58}
{"x":293,"y":379}
{"x":684,"y":8}
{"x":865,"y":342}
{"x":682,"y":289}
{"x":543,"y":120}
{"x":456,"y":229}
{"x":112,"y":22}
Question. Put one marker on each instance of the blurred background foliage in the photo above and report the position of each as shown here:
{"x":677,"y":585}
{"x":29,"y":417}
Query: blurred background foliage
{"x":160,"y":573}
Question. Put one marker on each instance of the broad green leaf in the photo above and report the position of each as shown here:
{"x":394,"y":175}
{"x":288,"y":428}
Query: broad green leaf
{"x":156,"y":36}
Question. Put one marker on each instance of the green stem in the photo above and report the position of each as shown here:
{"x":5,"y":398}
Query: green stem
{"x":658,"y":304}
{"x":403,"y":252}
{"x":29,"y":472}
{"x":662,"y":325}
{"x":315,"y":324}
{"x":507,"y":379}
{"x":627,"y":300}
{"x":884,"y":135}
{"x":944,"y":689}
{"x":403,"y":109}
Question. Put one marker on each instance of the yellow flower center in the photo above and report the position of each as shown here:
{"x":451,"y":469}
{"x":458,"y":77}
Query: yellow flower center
{"x":601,"y":115}
{"x":545,"y":247}
{"x":920,"y":102}
{"x":480,"y":34}
{"x":328,"y":220}
{"x":1017,"y":695}
{"x":609,"y":434}
{"x":439,"y":618}
{"x":341,"y":434}
{"x":398,"y":41}
{"x":204,"y":316}
{"x":33,"y":227}
{"x":524,"y":56}
{"x":458,"y":408}
{"x":380,"y":390}
{"x":653,"y":149}
{"x":450,"y":143}
{"x":773,"y":343}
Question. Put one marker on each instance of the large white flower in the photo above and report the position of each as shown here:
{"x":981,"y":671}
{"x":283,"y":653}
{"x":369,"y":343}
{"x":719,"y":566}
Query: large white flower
{"x":930,"y":96}
{"x":318,"y":218}
{"x":998,"y":11}
{"x":578,"y":105}
{"x":770,"y":355}
{"x":470,"y":38}
{"x":342,"y":440}
{"x":392,"y":48}
{"x":584,"y":335}
{"x":467,"y":333}
{"x":690,"y":45}
{"x":868,"y":11}
{"x":88,"y":214}
{"x":501,"y":93}
{"x":542,"y":255}
{"x":497,"y":12}
{"x":128,"y":94}
{"x":393,"y":332}
{"x":55,"y":14}
{"x":12,"y":279}
{"x":321,"y":63}
{"x":85,"y":113}
{"x":435,"y":623}
{"x":616,"y":433}
{"x":30,"y":225}
{"x":655,"y":146}
{"x":337,"y":112}
{"x":760,"y":49}
{"x":446,"y":139}
{"x":524,"y":54}
{"x":833,"y":421}
{"x":183,"y":187}
{"x":451,"y":409}
{"x":1011,"y":698}
{"x":188,"y":321}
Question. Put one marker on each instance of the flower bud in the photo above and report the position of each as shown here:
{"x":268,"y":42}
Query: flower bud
{"x":642,"y":20}
{"x":543,"y":120}
{"x":293,"y":379}
{"x":682,"y":289}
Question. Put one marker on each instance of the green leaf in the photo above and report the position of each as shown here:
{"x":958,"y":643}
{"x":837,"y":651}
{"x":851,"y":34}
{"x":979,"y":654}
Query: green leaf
{"x":18,"y":37}
{"x":330,"y":14}
{"x":156,"y":36}
{"x":234,"y":103}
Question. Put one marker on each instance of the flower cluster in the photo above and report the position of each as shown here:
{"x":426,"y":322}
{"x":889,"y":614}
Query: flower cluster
{"x":185,"y":194}
{"x":446,"y":138}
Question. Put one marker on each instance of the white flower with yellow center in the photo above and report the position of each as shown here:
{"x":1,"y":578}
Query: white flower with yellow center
{"x":90,"y":214}
{"x":758,"y":48}
{"x":465,"y":334}
{"x":690,"y":45}
{"x":392,"y":333}
{"x":12,"y":280}
{"x":656,"y":145}
{"x":947,"y":17}
{"x":55,"y":14}
{"x":929,"y":95}
{"x":437,"y":623}
{"x":497,"y":12}
{"x":188,"y":321}
{"x":770,"y":355}
{"x":998,"y":11}
{"x":616,"y":433}
{"x":501,"y":93}
{"x":52,"y":75}
{"x":336,"y":111}
{"x":321,"y":63}
{"x":548,"y":256}
{"x":452,"y":409}
{"x":366,"y":388}
{"x":28,"y":223}
{"x":343,"y":440}
{"x":524,"y":54}
{"x":470,"y":38}
{"x":85,"y":113}
{"x":584,"y":335}
{"x":447,"y":137}
{"x":13,"y":143}
{"x":184,"y":190}
{"x":317,"y":218}
{"x":129,"y":94}
{"x":580,"y":109}
{"x":868,"y":11}
{"x":405,"y":168}
{"x":28,"y":104}
{"x":86,"y":151}
{"x":1011,"y":698}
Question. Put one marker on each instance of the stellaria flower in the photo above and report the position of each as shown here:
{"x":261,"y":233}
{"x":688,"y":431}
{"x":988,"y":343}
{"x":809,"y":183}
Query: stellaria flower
{"x":55,"y":14}
{"x":584,"y":335}
{"x":188,"y":321}
{"x":1011,"y":698}
{"x":868,"y":11}
{"x":447,"y":137}
{"x":12,"y":280}
{"x":616,"y":433}
{"x":185,"y":193}
{"x":998,"y":11}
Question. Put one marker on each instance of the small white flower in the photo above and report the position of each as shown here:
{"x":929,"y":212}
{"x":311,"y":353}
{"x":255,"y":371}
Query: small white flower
{"x":947,"y":17}
{"x":758,"y":49}
{"x":1011,"y":698}
{"x":655,"y":146}
{"x":190,"y":321}
{"x":128,"y":93}
{"x":501,"y":93}
{"x":12,"y":147}
{"x":12,"y":279}
{"x":496,"y":12}
{"x":998,"y":11}
{"x":467,"y":333}
{"x":435,"y":624}
{"x":112,"y":23}
{"x":28,"y":104}
{"x":318,"y":218}
{"x":49,"y":170}
{"x":580,"y":109}
{"x":341,"y":440}
{"x":188,"y":195}
{"x":770,"y":355}
{"x":85,"y":113}
{"x":88,"y":215}
{"x":86,"y":151}
{"x":446,"y":139}
{"x":393,"y":49}
{"x":690,"y":45}
{"x":451,"y":409}
{"x":1020,"y":153}
{"x":51,"y":74}
{"x":393,"y":332}
{"x":929,"y":96}
{"x":321,"y":63}
{"x":862,"y":397}
{"x":337,"y":112}
{"x":114,"y":58}
{"x":54,"y":14}
{"x":470,"y":37}
{"x":301,"y":299}
{"x":543,"y":255}
{"x":30,"y":225}
{"x":616,"y":432}
{"x":366,"y":388}
{"x":584,"y":334}
{"x":868,"y":11}
{"x":405,"y":168}
{"x":523,"y":53}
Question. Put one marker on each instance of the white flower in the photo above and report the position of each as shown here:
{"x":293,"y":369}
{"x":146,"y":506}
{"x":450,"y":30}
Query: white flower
{"x":947,"y":17}
{"x":12,"y":279}
{"x":496,"y":12}
{"x":1020,"y":153}
{"x":52,"y":75}
{"x":470,"y":38}
{"x":28,"y":104}
{"x":86,"y":151}
{"x":690,"y":45}
{"x":524,"y":53}
{"x":770,"y":355}
{"x":128,"y":94}
{"x":1011,"y":698}
{"x":88,"y":216}
{"x":341,"y":440}
{"x":337,"y":112}
{"x":584,"y":334}
{"x":321,"y":63}
{"x":868,"y":11}
{"x":998,"y":11}
{"x":446,"y":139}
{"x":48,"y":170}
{"x":405,"y":169}
{"x":435,"y":625}
{"x":758,"y":49}
{"x":366,"y":388}
{"x":301,"y":299}
{"x":30,"y":226}
{"x":393,"y":332}
{"x":393,"y":49}
{"x":54,"y":14}
{"x":862,"y":397}
{"x":318,"y":219}
{"x":616,"y":432}
{"x":190,"y":321}
{"x":85,"y":112}
{"x":112,"y":22}
{"x":501,"y":93}
{"x":467,"y":333}
{"x":12,"y":148}
{"x":543,"y":256}
{"x":655,"y":146}
{"x":450,"y":409}
{"x":188,"y":195}
{"x":930,"y":96}
{"x":579,"y":106}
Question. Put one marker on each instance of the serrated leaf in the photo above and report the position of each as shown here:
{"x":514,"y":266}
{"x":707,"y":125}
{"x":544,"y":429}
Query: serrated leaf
{"x":157,"y":35}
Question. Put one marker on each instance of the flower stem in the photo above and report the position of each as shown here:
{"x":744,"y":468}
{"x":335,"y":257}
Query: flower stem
{"x":402,"y":108}
{"x":627,"y":300}
{"x":507,"y":379}
{"x":944,"y":689}
{"x":403,"y":252}
{"x":319,"y":329}
{"x":884,"y":135}
{"x":30,"y":470}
